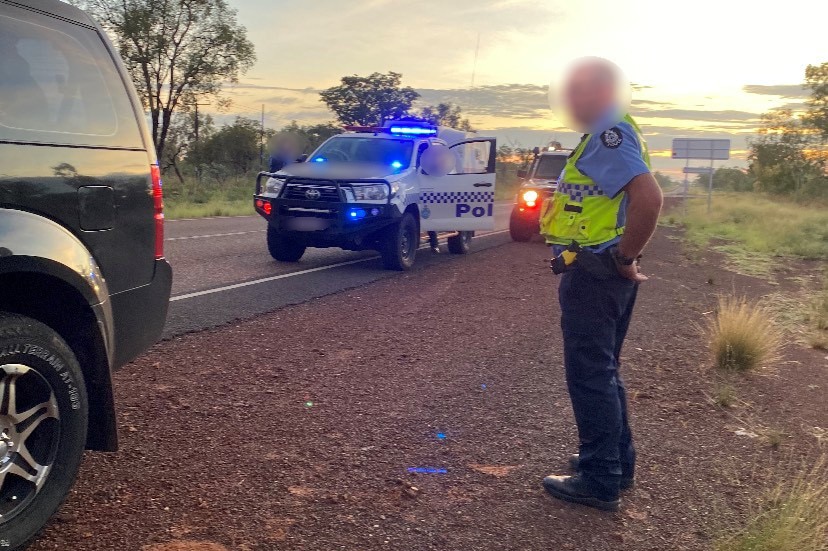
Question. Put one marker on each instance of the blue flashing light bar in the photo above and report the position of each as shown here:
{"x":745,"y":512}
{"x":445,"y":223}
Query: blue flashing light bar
{"x":396,"y":165}
{"x":356,"y":214}
{"x":413,"y":130}
{"x":319,"y":160}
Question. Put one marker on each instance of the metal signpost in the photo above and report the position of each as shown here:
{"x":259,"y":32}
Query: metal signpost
{"x":701,"y":149}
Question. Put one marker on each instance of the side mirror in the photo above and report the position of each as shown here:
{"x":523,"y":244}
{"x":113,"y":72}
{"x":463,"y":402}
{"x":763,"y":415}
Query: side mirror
{"x":523,"y":173}
{"x":536,"y":151}
{"x":302,"y":158}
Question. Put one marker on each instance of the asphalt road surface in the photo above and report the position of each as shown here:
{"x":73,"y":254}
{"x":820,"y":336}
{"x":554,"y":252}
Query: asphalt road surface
{"x":223,"y":272}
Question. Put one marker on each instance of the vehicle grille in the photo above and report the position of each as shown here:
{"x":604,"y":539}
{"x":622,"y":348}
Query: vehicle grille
{"x":298,"y":189}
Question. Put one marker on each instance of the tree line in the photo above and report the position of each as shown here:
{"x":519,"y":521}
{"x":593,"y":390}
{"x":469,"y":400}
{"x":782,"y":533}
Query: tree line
{"x":179,"y":54}
{"x":789,"y":153}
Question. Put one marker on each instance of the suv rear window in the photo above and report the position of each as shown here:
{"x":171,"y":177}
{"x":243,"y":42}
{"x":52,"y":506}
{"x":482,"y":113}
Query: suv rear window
{"x":58,"y":84}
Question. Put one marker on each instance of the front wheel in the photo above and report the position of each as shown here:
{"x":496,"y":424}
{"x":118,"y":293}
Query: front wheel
{"x":43,"y":419}
{"x":282,"y":248}
{"x":460,"y":243}
{"x":398,"y":245}
{"x":521,"y":230}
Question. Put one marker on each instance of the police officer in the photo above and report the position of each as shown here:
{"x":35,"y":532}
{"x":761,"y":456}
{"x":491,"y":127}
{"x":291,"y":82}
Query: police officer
{"x":607,"y":206}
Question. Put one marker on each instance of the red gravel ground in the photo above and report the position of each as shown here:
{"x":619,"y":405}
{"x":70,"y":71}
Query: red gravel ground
{"x":295,"y":430}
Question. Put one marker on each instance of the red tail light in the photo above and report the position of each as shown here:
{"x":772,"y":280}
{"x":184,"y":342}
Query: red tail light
{"x":158,"y":206}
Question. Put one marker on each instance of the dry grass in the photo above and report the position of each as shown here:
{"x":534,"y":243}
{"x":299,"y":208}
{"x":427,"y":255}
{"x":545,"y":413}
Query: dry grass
{"x":743,"y":336}
{"x":817,"y":318}
{"x":794,"y":517}
{"x":724,"y":395}
{"x":799,"y":230}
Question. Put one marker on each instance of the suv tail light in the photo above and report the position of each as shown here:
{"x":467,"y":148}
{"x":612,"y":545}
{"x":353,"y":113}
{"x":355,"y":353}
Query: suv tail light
{"x":158,"y":208}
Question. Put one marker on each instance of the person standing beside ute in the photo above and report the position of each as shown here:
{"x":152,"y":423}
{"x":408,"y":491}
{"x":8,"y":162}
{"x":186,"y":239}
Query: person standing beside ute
{"x":598,"y":222}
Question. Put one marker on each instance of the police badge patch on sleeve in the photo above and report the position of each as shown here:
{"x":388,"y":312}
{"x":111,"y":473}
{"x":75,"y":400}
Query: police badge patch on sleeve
{"x":612,"y":138}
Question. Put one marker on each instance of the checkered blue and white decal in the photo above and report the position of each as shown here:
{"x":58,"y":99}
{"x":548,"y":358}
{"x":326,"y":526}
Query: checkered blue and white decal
{"x":451,"y":197}
{"x":577,"y":192}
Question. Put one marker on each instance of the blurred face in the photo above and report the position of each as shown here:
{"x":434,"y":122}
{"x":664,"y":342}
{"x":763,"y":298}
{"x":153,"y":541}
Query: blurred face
{"x":590,"y":93}
{"x":286,"y":146}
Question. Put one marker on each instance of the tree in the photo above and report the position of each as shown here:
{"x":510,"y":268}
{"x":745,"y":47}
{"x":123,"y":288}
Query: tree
{"x":505,"y":153}
{"x":369,"y":101}
{"x":181,"y":139}
{"x":312,"y":136}
{"x":233,"y":150}
{"x":779,"y":155}
{"x":177,"y":51}
{"x":446,"y":114}
{"x":790,"y":153}
{"x":664,"y":180}
{"x":816,"y":80}
{"x":727,"y":179}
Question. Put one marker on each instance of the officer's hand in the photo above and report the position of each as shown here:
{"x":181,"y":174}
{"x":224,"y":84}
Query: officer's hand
{"x":631,"y":272}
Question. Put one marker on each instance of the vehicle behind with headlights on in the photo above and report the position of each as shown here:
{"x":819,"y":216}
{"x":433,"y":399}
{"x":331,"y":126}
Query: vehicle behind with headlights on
{"x":539,"y":184}
{"x":367,"y":189}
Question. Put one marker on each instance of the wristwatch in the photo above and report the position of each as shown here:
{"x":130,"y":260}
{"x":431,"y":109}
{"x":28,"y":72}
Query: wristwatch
{"x":621,"y":259}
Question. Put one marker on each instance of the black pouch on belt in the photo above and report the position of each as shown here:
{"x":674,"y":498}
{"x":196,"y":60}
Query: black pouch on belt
{"x":596,"y":265}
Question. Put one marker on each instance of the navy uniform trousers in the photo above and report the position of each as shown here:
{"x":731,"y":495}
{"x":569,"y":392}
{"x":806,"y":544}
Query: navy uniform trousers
{"x":595,"y":316}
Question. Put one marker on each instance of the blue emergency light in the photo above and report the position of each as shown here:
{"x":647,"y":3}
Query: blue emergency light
{"x":410,"y":130}
{"x":399,"y":128}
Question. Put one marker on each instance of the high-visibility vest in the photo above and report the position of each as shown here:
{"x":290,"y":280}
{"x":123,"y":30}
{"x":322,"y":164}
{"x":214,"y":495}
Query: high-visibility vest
{"x":578,"y":210}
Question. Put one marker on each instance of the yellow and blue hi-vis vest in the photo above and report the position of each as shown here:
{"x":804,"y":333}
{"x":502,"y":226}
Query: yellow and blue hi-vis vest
{"x":579,"y":210}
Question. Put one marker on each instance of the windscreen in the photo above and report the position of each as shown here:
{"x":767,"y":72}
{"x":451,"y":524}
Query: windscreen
{"x":393,"y":153}
{"x":550,"y":166}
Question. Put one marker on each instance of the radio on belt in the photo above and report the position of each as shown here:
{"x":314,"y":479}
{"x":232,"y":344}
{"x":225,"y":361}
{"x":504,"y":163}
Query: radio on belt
{"x":380,"y":187}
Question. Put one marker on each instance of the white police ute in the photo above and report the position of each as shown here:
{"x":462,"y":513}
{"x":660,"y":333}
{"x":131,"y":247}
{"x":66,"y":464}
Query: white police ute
{"x":380,"y":188}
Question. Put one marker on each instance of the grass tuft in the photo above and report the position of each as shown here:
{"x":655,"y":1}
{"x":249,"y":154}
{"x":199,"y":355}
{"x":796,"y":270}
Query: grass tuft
{"x":794,"y":517}
{"x":724,"y":396}
{"x":774,"y":438}
{"x":743,"y":336}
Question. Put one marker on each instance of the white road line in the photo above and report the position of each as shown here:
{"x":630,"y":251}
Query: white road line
{"x":213,"y":235}
{"x":293,"y":274}
{"x":208,"y":218}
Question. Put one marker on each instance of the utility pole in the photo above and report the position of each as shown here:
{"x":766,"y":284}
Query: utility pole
{"x":195,"y":131}
{"x":196,"y":123}
{"x":261,"y":142}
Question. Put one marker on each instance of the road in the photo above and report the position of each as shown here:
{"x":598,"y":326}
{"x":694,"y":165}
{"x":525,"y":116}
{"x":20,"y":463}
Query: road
{"x":223,"y":272}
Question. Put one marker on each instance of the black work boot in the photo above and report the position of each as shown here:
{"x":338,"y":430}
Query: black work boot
{"x":627,"y":482}
{"x":433,"y":242}
{"x":574,"y":489}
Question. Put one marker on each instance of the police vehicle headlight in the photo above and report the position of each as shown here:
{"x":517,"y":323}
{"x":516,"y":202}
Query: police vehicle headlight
{"x":274,"y":186}
{"x":371,"y":193}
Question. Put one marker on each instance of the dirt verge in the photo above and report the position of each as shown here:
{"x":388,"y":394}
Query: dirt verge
{"x":421,"y":412}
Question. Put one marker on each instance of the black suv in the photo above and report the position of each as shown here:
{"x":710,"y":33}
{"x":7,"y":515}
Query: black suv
{"x":84,"y":286}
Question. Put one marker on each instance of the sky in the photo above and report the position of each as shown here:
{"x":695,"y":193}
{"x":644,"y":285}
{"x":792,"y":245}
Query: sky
{"x":706,"y":68}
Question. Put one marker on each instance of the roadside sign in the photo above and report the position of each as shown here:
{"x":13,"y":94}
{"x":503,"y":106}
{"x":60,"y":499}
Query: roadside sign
{"x":699,"y":148}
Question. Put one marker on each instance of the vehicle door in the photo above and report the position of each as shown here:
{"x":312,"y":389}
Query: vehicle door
{"x":463,"y":198}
